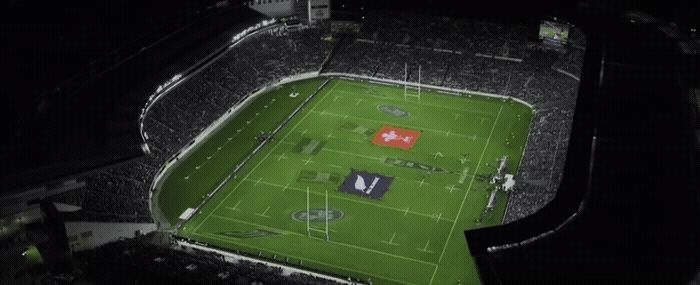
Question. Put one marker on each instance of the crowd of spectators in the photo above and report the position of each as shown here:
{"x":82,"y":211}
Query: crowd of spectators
{"x":137,"y":261}
{"x":121,"y":194}
{"x":459,"y":56}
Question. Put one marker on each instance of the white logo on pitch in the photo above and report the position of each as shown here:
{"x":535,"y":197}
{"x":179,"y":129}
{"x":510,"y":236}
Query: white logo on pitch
{"x":362,"y":187}
{"x":392,"y":136}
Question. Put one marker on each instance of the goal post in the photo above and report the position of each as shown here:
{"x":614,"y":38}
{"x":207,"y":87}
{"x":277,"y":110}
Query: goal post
{"x":309,"y":228}
{"x":406,"y":92}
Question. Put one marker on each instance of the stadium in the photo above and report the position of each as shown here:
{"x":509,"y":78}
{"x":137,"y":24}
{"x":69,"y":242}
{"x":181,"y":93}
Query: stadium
{"x":298,"y":146}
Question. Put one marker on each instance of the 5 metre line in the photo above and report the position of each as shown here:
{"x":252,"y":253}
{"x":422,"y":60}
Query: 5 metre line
{"x":483,"y":152}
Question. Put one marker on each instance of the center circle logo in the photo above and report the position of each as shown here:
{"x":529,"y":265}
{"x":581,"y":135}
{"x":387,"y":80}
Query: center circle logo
{"x":393,"y":110}
{"x":317,"y":215}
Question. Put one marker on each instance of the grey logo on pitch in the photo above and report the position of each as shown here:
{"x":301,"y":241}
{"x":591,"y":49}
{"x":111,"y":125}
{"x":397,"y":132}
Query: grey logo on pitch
{"x":318,"y":215}
{"x":393,"y":110}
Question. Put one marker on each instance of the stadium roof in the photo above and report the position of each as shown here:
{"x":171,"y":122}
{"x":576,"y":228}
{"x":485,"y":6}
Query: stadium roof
{"x":92,"y":121}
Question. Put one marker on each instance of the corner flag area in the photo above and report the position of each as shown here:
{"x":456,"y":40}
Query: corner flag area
{"x":357,"y":180}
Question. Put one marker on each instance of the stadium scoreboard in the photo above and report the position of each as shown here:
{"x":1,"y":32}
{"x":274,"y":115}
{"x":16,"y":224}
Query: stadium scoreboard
{"x":554,"y":32}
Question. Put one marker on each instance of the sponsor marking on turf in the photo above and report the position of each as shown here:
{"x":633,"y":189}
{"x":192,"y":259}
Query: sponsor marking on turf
{"x":318,"y":215}
{"x":462,"y":177}
{"x":396,"y":137}
{"x":393,"y":110}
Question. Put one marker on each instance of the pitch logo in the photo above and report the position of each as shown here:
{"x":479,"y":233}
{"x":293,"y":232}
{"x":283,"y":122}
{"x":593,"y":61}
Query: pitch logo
{"x":366,"y":184}
{"x":318,"y":215}
{"x":362,"y":187}
{"x":396,"y":137}
{"x":393,"y":110}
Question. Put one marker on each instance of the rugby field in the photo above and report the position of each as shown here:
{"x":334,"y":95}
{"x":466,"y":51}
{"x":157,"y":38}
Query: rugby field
{"x":403,"y":179}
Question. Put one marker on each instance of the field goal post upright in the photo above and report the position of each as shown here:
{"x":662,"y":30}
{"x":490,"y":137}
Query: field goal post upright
{"x":308,"y":216}
{"x":405,"y":83}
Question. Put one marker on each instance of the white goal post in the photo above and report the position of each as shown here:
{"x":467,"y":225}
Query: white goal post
{"x":406,"y":94}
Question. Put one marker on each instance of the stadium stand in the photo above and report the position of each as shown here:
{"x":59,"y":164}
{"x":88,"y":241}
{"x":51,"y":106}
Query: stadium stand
{"x":136,"y":261}
{"x":453,"y":57}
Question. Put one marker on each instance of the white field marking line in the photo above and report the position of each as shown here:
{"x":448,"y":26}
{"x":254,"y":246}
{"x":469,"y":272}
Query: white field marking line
{"x":425,"y":249}
{"x":265,"y":157}
{"x":264,"y":213}
{"x":406,"y":211}
{"x":308,"y":160}
{"x":345,"y":117}
{"x":322,"y":230}
{"x":341,"y":152}
{"x":448,"y":133}
{"x":335,"y":166}
{"x":330,"y":135}
{"x":353,"y":154}
{"x":422,"y":181}
{"x":336,"y":98}
{"x":452,"y":188}
{"x":457,"y":116}
{"x":330,"y":241}
{"x":218,"y":149}
{"x":281,"y":157}
{"x":459,"y":212}
{"x":304,"y":132}
{"x":396,"y":124}
{"x":473,"y":112}
{"x":390,"y":241}
{"x":235,"y":207}
{"x":285,"y":187}
{"x":223,"y":239}
{"x":256,"y":183}
{"x":356,"y":141}
{"x":359,"y":101}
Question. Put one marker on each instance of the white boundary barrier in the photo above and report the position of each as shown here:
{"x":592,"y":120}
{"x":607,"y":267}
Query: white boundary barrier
{"x":286,"y":270}
{"x":451,"y":91}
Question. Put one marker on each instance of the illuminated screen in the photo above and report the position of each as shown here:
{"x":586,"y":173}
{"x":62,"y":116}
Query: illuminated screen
{"x":554,"y":32}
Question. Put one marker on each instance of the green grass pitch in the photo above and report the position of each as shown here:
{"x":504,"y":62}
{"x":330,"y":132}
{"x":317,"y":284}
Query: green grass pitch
{"x":413,"y":235}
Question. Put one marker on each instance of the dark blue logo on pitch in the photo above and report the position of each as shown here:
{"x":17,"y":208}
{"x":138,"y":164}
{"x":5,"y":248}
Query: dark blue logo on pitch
{"x":366,"y":184}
